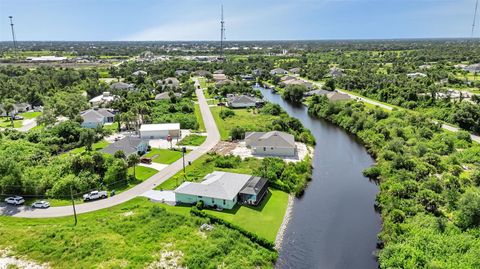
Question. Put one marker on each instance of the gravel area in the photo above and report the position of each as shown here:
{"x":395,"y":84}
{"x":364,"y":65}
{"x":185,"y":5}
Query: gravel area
{"x":286,"y":220}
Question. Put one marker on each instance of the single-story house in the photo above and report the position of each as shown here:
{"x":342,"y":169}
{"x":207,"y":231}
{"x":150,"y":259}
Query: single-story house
{"x":219,"y":77}
{"x":220,"y":71}
{"x":336,"y":96}
{"x":257,"y":72}
{"x":274,"y":143}
{"x":295,"y":70}
{"x":121,"y":86}
{"x":316,"y":92}
{"x":129,"y":145}
{"x":473,"y":68}
{"x":180,"y":72}
{"x":247,"y":77}
{"x":169,"y":82}
{"x":223,"y":83}
{"x":425,"y":66}
{"x":139,"y":73}
{"x":335,"y":72}
{"x":278,"y":71}
{"x":93,"y":118}
{"x":295,"y":81}
{"x":285,"y":78}
{"x":223,"y":190}
{"x":17,"y":108}
{"x":103,"y":99}
{"x":202,"y":73}
{"x":242,"y":101}
{"x":163,"y":130}
{"x":416,"y":75}
{"x":166,"y":95}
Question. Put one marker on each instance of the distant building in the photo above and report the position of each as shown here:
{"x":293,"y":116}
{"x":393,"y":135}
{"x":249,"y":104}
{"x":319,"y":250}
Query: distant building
{"x":416,"y":75}
{"x":220,"y":71}
{"x":93,"y":118}
{"x":247,"y":77}
{"x":163,"y":130}
{"x":257,"y":72}
{"x":274,"y":143}
{"x":219,"y":77}
{"x":336,"y":72}
{"x":103,"y":99}
{"x":223,"y":190}
{"x":166,"y":95}
{"x":121,"y":86}
{"x":425,"y":66}
{"x":46,"y":59}
{"x":316,"y":92}
{"x":180,"y":72}
{"x":295,"y":70}
{"x":17,"y":108}
{"x":202,"y":73}
{"x":171,"y":82}
{"x":242,"y":101}
{"x":336,"y":96}
{"x":129,"y":145}
{"x":278,"y":71}
{"x":473,"y":68}
{"x":140,"y":73}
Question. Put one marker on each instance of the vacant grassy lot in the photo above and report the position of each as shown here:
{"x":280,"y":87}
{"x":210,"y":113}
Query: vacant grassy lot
{"x":142,"y":172}
{"x":6,"y":123}
{"x":164,"y":156}
{"x":245,"y":118}
{"x":131,"y":235}
{"x":95,"y":147}
{"x":198,"y":115}
{"x":192,"y":140}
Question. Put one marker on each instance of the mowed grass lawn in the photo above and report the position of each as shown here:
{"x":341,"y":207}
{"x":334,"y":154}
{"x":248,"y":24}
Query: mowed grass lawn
{"x":5,"y":122}
{"x":131,"y":235}
{"x":192,"y":140}
{"x":31,"y":114}
{"x":198,"y":115}
{"x":164,"y":156}
{"x":247,"y":119}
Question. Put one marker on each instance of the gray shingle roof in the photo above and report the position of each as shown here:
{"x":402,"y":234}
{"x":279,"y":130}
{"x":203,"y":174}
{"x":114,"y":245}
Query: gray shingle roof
{"x":166,"y":95}
{"x":270,"y":139}
{"x":254,"y":185}
{"x":92,"y":115}
{"x":243,"y":99}
{"x":219,"y":185}
{"x":128,"y":145}
{"x":121,"y":86}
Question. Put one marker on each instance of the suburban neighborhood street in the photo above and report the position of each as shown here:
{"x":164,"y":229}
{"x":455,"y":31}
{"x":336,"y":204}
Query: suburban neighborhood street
{"x":212,"y":139}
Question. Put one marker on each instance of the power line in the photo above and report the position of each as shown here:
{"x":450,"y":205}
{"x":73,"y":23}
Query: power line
{"x":474,"y":18}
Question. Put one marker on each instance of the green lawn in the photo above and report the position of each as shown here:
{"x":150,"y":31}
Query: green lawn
{"x":192,"y":140}
{"x":244,"y":118}
{"x":202,"y":166}
{"x":142,"y":173}
{"x":6,"y":123}
{"x":131,"y":235}
{"x":263,"y":220}
{"x":95,"y":147}
{"x":30,"y":115}
{"x":198,"y":115}
{"x":164,"y":156}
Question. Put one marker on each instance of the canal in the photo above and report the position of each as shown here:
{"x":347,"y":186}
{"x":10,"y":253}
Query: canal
{"x":334,"y":224}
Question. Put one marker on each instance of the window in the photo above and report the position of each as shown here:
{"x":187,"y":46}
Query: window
{"x":200,"y":197}
{"x":264,"y":148}
{"x":213,"y":201}
{"x":224,"y":202}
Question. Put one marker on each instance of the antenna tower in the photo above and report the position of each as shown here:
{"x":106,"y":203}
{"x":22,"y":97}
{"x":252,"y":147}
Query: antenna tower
{"x":474,"y":18}
{"x":13,"y":36}
{"x":222,"y":33}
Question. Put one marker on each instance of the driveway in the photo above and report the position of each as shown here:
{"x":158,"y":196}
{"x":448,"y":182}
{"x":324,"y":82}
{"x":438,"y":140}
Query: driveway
{"x":213,"y":137}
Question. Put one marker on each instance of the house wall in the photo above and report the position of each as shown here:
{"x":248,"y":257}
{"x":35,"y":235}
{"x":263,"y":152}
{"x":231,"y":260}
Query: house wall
{"x":210,"y":202}
{"x":91,"y":124}
{"x":273,"y":151}
{"x":159,"y":134}
{"x":239,"y":105}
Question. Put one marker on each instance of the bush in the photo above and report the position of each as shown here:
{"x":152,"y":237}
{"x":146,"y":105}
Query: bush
{"x":237,"y":133}
{"x":226,"y":113}
{"x":200,"y":205}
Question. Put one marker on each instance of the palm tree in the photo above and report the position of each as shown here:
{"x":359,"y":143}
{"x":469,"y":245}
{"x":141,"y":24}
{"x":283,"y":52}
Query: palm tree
{"x":132,"y":161}
{"x":9,"y":110}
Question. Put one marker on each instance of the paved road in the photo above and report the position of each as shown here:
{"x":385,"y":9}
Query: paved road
{"x":212,"y":139}
{"x":27,"y":125}
{"x":451,"y":128}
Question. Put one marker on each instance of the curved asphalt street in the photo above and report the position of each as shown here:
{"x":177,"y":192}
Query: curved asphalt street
{"x":212,"y":139}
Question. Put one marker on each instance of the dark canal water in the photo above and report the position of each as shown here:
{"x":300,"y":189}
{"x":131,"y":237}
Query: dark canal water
{"x":334,"y":224}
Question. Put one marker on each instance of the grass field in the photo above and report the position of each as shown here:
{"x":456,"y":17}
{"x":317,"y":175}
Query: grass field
{"x":244,"y":118}
{"x":164,"y":156}
{"x":95,"y":147}
{"x":6,"y":123}
{"x":131,"y":235}
{"x":30,"y":115}
{"x":192,"y":140}
{"x":198,"y":115}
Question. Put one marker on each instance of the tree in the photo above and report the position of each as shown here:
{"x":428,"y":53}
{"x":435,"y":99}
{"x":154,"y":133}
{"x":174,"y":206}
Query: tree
{"x":9,"y":109}
{"x":237,"y":133}
{"x":469,"y":209}
{"x":330,"y":85}
{"x":119,"y":154}
{"x":117,"y":171}
{"x":132,"y":161}
{"x":87,"y":138}
{"x":294,"y":93}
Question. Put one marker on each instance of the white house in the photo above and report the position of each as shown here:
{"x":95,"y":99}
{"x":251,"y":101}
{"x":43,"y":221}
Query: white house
{"x":93,"y":118}
{"x":155,"y":131}
{"x":103,"y":99}
{"x":278,"y":71}
{"x":223,"y":190}
{"x":274,"y":143}
{"x":17,"y":108}
{"x":416,"y":75}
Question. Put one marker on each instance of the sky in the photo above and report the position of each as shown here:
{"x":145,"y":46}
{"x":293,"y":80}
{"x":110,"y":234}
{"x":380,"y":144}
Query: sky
{"x":145,"y":20}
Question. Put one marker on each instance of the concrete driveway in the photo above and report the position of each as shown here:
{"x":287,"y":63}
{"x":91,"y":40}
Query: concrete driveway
{"x":213,"y":137}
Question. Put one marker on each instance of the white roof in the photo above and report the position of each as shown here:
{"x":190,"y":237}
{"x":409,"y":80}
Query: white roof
{"x":220,"y":185}
{"x":160,"y":127}
{"x":103,"y":98}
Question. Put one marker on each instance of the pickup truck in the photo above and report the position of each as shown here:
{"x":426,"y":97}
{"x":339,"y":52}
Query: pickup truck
{"x":95,"y":195}
{"x":16,"y":200}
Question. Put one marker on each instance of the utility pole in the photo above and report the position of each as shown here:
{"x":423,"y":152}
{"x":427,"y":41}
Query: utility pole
{"x":184,"y":149}
{"x":222,"y":34}
{"x":474,"y":18}
{"x":13,"y":36}
{"x":73,"y":204}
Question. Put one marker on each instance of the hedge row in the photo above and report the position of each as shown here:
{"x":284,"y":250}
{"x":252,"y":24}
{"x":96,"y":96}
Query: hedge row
{"x":253,"y":237}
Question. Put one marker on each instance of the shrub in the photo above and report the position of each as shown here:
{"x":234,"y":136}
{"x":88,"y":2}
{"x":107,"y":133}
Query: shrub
{"x":226,"y":113}
{"x":237,"y":133}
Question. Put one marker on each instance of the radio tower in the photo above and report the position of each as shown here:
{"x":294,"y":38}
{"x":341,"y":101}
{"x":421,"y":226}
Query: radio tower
{"x":474,"y":18}
{"x":13,"y":36}
{"x":222,"y":34}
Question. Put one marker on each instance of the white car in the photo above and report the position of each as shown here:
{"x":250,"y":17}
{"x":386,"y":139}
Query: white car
{"x":41,"y":204}
{"x":16,"y":200}
{"x":94,"y":195}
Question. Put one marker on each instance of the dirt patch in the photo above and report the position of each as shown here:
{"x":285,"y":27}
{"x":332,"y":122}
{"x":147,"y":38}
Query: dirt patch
{"x":224,"y":147}
{"x":127,"y":214}
{"x":7,"y":261}
{"x":169,"y":259}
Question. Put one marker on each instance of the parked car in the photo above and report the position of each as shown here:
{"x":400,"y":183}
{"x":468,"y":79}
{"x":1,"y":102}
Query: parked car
{"x":95,"y":195}
{"x":146,"y":160}
{"x":16,"y":200}
{"x":41,"y":204}
{"x":18,"y":118}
